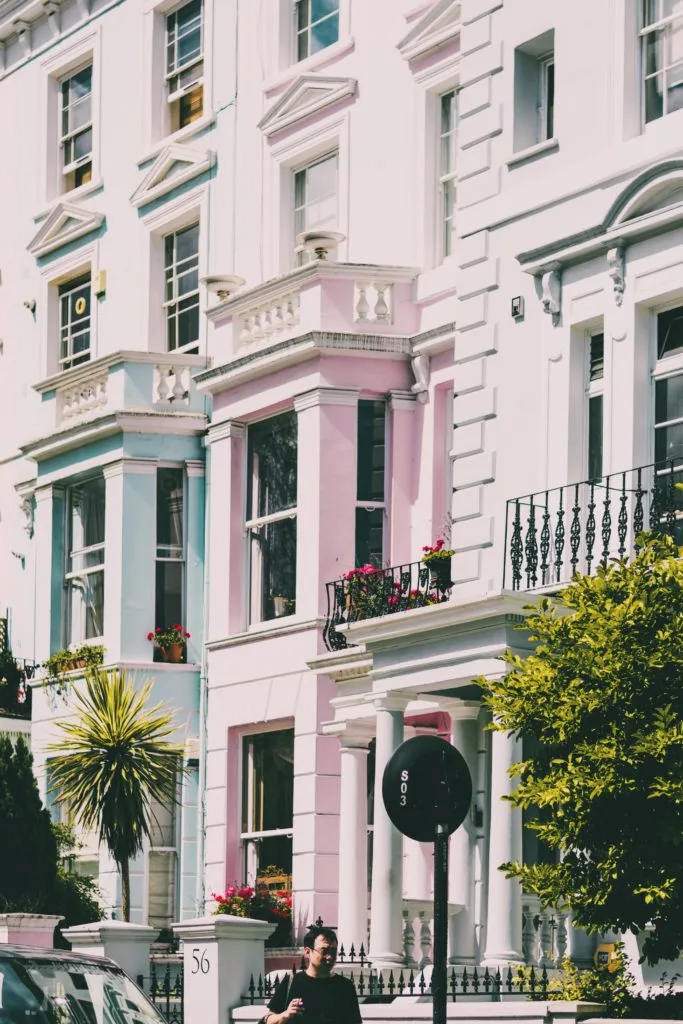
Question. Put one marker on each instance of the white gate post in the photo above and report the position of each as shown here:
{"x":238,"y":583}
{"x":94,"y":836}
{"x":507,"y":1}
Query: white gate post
{"x":220,"y":953}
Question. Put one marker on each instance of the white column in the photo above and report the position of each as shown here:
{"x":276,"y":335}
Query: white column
{"x":504,"y":897}
{"x":462,"y":940}
{"x":353,"y":843}
{"x":386,"y":941}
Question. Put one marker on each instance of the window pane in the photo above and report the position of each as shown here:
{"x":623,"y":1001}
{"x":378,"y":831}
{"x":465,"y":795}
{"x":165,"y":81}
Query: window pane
{"x":668,"y":408}
{"x":321,"y":8}
{"x":669,"y":332}
{"x":87,"y":514}
{"x":324,"y":33}
{"x":272,"y":465}
{"x":322,"y":179}
{"x":86,"y":607}
{"x":371,"y":451}
{"x":188,"y":326}
{"x":187,"y":243}
{"x":83,"y":145}
{"x":369,"y":536}
{"x":597,"y":357}
{"x":550,"y":99}
{"x":273,"y":570}
{"x":595,"y":422}
{"x":170,"y":512}
{"x":268,"y":781}
{"x":168,"y":605}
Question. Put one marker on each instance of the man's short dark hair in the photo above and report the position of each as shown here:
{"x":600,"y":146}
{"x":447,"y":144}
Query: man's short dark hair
{"x":315,"y":932}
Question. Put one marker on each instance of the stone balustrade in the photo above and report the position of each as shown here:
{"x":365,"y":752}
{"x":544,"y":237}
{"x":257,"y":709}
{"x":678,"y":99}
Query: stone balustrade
{"x":85,"y":398}
{"x":273,"y":319}
{"x":373,"y":302}
{"x":544,"y":933}
{"x":171,"y":384}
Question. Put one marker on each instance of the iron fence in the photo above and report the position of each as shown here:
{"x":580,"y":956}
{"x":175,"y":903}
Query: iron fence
{"x":553,"y":534}
{"x":372,"y":591}
{"x":164,"y":988}
{"x":381,"y":987}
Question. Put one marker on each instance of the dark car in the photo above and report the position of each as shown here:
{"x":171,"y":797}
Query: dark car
{"x":49,"y":986}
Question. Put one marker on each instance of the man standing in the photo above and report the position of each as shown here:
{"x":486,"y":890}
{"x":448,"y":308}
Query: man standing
{"x":321,"y":996}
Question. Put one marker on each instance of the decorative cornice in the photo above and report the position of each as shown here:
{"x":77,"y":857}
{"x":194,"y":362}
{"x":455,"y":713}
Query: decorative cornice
{"x":404,"y":401}
{"x":439,"y":26}
{"x":308,"y":95}
{"x":130,"y":467}
{"x":389,"y":700}
{"x":195,"y":467}
{"x":326,"y":396}
{"x":65,"y":224}
{"x":175,"y":165}
{"x":229,"y":428}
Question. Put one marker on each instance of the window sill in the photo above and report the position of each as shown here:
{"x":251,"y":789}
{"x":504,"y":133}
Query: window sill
{"x":188,"y":132}
{"x":531,"y":152}
{"x":82,"y":192}
{"x":265,"y":630}
{"x":318,"y":60}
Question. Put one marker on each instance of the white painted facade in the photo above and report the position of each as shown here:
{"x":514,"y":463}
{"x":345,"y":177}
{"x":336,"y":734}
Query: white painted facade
{"x":564,"y":199}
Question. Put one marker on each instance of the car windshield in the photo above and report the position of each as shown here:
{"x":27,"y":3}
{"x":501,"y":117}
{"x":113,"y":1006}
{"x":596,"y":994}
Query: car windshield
{"x":42,"y":990}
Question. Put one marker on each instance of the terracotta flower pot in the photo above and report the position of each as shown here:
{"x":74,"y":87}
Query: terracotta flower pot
{"x":173,"y":653}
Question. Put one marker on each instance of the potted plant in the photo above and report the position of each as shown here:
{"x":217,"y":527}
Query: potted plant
{"x":282,"y":605}
{"x":75,"y":656}
{"x":366,"y":592}
{"x":438,"y":560}
{"x":171,"y":641}
{"x":262,"y":903}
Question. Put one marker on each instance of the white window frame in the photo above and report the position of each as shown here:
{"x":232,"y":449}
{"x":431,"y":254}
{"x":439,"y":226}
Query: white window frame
{"x":60,"y":65}
{"x":447,"y":176}
{"x":662,"y":25}
{"x":71,"y":574}
{"x":158,"y":131}
{"x":173,"y":272}
{"x":594,"y":389}
{"x":66,"y":330}
{"x":544,"y":65}
{"x":254,"y":595}
{"x":283,"y":65}
{"x":432,"y":84}
{"x":384,"y":505}
{"x":174,"y":215}
{"x":285,"y":157}
{"x":309,"y":26}
{"x":173,"y":553}
{"x":83,"y":260}
{"x":299,"y":257}
{"x":249,"y":839}
{"x":68,"y":137}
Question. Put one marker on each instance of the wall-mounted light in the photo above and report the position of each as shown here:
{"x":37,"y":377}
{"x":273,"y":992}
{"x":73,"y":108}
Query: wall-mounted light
{"x":30,"y":305}
{"x":517,"y":307}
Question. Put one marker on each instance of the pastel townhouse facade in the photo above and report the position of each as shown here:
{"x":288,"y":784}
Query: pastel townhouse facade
{"x":434,"y":292}
{"x":112,"y":116}
{"x":461,"y":318}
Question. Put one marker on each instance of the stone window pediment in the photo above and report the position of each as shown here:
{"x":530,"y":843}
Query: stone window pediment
{"x":175,"y":165}
{"x":307,"y":95}
{"x":65,"y":224}
{"x":439,"y":26}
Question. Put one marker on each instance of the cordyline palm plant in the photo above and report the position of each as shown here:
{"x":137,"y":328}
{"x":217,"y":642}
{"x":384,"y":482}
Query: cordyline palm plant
{"x":113,"y":760}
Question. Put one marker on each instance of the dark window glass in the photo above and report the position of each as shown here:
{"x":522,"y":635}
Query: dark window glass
{"x":268,"y":781}
{"x":169,"y":546}
{"x":597,"y":357}
{"x":371,"y":451}
{"x":669,"y":332}
{"x":595,"y":420}
{"x":272,"y":465}
{"x":369,"y":536}
{"x":550,"y":100}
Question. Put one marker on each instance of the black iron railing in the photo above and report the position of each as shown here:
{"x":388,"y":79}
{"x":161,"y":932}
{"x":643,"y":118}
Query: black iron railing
{"x":164,"y":988}
{"x":15,"y":691}
{"x":378,"y":987}
{"x":553,"y":534}
{"x":370,"y":592}
{"x":4,"y":635}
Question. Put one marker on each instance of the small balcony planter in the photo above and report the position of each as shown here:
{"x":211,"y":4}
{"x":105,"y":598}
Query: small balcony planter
{"x":438,"y":561}
{"x":261,"y":903}
{"x":171,"y":643}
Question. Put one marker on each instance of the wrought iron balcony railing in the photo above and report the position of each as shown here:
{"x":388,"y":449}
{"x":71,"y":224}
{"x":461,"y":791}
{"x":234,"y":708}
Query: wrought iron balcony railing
{"x":369,"y":592}
{"x":551,"y":535}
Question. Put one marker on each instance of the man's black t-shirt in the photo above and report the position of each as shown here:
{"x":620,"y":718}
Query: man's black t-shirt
{"x":330,"y":1000}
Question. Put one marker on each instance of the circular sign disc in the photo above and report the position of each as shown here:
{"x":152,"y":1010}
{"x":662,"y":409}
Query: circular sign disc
{"x":426,"y":785}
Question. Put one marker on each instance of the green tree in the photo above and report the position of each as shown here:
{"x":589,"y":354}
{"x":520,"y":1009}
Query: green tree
{"x":112,"y":761}
{"x":602,"y":693}
{"x":28,"y":850}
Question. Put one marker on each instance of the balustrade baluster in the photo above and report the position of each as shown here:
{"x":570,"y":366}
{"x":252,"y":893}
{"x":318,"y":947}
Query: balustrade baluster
{"x":638,"y":511}
{"x":545,"y":543}
{"x":163,"y":387}
{"x":179,"y":391}
{"x":606,"y":525}
{"x":575,"y":531}
{"x":362,"y":305}
{"x":559,"y":538}
{"x":655,"y":501}
{"x":671,"y":502}
{"x":590,"y":527}
{"x":622,"y":521}
{"x":531,"y":546}
{"x":516,"y":548}
{"x":381,"y":307}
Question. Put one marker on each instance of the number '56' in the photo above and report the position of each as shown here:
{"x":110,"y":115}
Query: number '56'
{"x":200,"y":961}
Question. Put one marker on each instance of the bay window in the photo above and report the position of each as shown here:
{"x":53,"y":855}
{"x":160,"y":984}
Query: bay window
{"x":84,"y":577}
{"x":268,"y":803}
{"x":271,"y":516}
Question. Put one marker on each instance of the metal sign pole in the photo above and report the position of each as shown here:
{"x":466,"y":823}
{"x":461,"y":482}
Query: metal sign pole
{"x":439,"y":974}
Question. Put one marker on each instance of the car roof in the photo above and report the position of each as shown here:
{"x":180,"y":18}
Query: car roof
{"x":10,"y":951}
